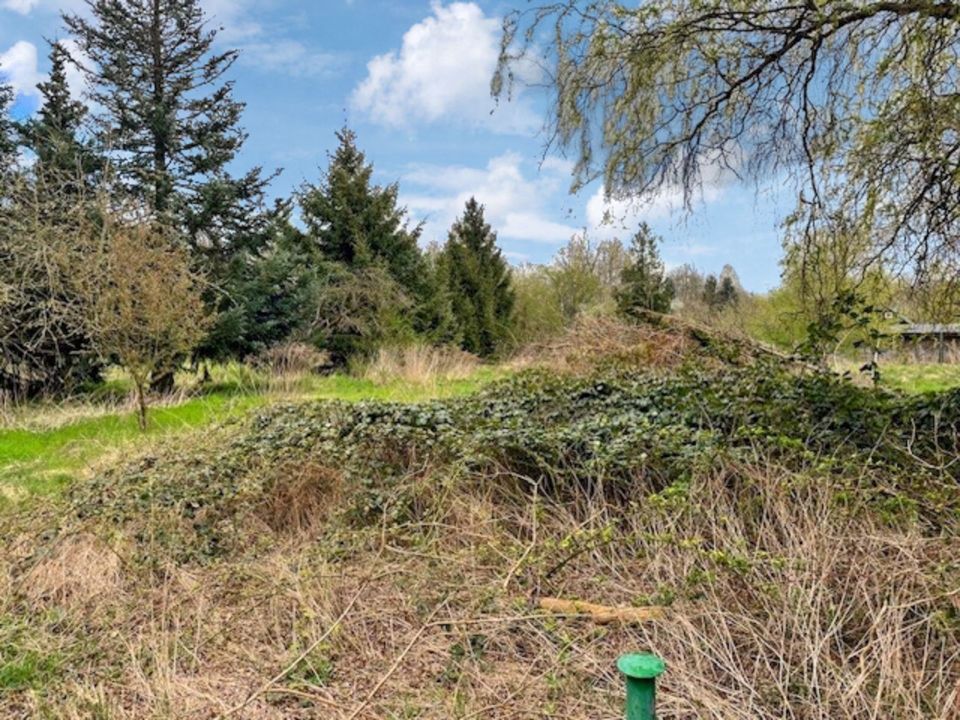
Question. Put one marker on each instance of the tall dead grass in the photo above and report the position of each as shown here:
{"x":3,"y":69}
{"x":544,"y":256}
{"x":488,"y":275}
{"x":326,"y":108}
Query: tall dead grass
{"x":419,"y":364}
{"x":595,"y":338}
{"x":781,"y":604}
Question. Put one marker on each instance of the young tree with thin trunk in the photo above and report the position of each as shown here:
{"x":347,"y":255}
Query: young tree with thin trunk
{"x":143,"y":303}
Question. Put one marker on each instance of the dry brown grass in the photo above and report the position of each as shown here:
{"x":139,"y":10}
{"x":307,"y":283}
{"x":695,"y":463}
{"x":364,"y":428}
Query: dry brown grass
{"x":302,"y":496}
{"x":80,"y":571}
{"x":651,"y":341}
{"x":420,"y":364}
{"x":783,"y":606}
{"x":287,"y":365}
{"x":594,"y":338}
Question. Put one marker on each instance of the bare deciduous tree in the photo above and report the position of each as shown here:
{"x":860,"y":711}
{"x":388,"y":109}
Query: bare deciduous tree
{"x":143,"y":303}
{"x":43,"y":235}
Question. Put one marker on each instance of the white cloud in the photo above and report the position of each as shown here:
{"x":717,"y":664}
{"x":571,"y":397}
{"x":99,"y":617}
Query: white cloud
{"x":290,"y":57}
{"x":20,"y":6}
{"x":18,"y":66}
{"x":233,"y":17}
{"x":516,"y":205}
{"x":443,"y":70}
{"x":25,"y":7}
{"x":264,"y":47}
{"x":613,"y":216}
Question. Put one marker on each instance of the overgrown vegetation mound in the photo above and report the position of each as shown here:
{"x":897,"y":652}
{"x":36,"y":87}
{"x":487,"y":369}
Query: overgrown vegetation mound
{"x":386,"y":560}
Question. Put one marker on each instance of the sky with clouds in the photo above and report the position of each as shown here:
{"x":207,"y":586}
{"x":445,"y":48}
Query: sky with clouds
{"x":412,"y":77}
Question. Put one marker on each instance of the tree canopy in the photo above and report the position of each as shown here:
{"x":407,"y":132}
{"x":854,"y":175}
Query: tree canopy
{"x":8,"y":140}
{"x":54,"y":134}
{"x":857,"y":100}
{"x":360,"y":232}
{"x":351,"y":220}
{"x":166,"y":116}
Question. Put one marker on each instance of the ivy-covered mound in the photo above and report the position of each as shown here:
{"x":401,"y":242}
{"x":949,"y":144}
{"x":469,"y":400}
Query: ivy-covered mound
{"x":379,"y":560}
{"x":630,"y":433}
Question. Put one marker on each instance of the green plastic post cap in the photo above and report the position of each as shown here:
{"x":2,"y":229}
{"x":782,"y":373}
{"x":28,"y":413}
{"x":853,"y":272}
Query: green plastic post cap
{"x":641,"y":667}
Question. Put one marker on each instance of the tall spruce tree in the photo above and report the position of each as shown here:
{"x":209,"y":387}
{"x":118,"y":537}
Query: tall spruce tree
{"x":359,"y":230}
{"x":167,"y":118}
{"x":66,"y":164}
{"x":351,"y":221}
{"x":479,"y":283}
{"x":53,"y":135}
{"x":8,"y":136}
{"x":643,"y":282}
{"x":169,"y":126}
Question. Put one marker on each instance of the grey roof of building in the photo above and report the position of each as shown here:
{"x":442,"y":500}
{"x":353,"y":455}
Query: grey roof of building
{"x":929,"y":329}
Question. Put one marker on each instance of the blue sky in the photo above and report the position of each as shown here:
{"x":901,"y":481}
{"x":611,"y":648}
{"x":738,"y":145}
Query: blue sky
{"x":412,"y":78}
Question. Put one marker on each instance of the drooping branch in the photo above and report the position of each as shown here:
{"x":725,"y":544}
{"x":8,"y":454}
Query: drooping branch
{"x":677,"y":92}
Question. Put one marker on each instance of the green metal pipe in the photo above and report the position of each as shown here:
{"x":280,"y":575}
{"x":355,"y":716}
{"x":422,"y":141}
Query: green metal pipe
{"x":641,"y":672}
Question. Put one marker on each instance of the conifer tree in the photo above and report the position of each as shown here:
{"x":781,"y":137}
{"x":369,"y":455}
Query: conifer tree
{"x":167,"y":118}
{"x":727,"y":295}
{"x":479,"y":283}
{"x":361,"y":233}
{"x":8,"y":139}
{"x":643,"y":282}
{"x":711,"y":289}
{"x":355,"y":223}
{"x":272,"y":296}
{"x":53,"y":135}
{"x":168,"y":125}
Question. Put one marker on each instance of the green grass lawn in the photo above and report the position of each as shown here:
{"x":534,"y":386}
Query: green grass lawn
{"x":35,"y":461}
{"x":908,"y":378}
{"x":921,"y":378}
{"x":40,"y":461}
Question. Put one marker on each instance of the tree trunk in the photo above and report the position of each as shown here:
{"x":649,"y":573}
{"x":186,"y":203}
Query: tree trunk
{"x":141,"y":406}
{"x":164,"y":383}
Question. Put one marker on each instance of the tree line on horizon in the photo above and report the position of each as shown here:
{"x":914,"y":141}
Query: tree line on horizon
{"x":127,"y":237}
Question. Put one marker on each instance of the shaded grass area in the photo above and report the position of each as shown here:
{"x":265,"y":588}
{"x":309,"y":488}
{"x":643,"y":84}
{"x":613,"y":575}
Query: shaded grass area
{"x":37,"y":461}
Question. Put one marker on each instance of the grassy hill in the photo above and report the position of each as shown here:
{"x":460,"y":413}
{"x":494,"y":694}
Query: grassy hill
{"x":795,"y":534}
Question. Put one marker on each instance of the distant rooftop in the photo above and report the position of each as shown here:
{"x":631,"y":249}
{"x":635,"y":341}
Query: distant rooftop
{"x":929,"y":329}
